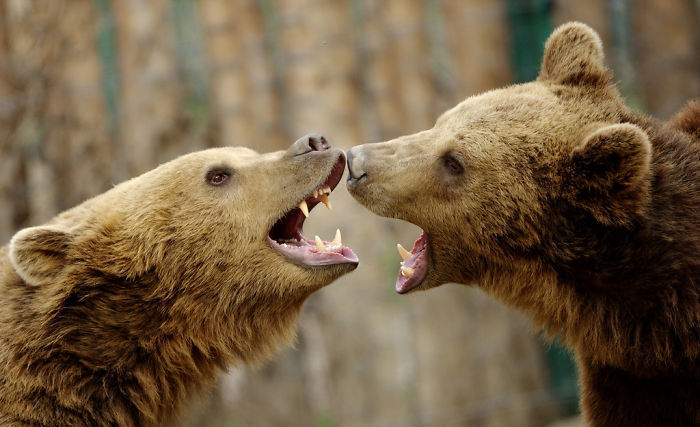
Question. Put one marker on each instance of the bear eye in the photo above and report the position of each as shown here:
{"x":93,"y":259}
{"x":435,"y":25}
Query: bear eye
{"x":218,"y":176}
{"x":452,"y":165}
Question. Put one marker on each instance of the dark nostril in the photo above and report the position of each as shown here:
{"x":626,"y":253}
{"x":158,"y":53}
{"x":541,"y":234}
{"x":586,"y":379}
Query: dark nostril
{"x":318,"y":143}
{"x":309,"y":143}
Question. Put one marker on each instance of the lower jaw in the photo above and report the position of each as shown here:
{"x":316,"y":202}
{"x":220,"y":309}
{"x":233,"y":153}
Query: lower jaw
{"x":306,"y":254}
{"x":414,"y":268}
{"x":405,"y":285}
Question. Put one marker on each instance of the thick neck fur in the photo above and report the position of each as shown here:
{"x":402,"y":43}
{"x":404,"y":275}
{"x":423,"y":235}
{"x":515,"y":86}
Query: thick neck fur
{"x":99,"y":355}
{"x":595,"y":285}
{"x":598,"y":327}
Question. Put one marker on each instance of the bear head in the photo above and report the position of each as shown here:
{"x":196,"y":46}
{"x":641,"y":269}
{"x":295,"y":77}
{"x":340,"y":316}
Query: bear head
{"x":486,"y":182}
{"x":207,"y":247}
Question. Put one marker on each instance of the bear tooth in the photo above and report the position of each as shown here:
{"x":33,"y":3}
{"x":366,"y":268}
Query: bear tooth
{"x":315,"y":193}
{"x":324,"y":199}
{"x":406,"y":271}
{"x":403,"y":252}
{"x":337,"y":239}
{"x":304,"y":208}
{"x":319,"y":245}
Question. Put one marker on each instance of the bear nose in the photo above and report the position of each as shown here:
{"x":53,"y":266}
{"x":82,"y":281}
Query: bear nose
{"x":308,"y":143}
{"x":355,"y":170}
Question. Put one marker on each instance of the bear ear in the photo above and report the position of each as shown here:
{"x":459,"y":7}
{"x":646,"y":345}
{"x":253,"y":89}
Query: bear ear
{"x":608,"y":174}
{"x":38,"y":254}
{"x":573,"y":55}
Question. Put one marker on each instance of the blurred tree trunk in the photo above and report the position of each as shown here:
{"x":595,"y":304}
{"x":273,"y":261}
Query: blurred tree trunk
{"x":55,"y":117}
{"x":149,"y":115}
{"x":667,"y":50}
{"x":77,"y":147}
{"x":240,"y":80}
{"x":10,"y":115}
{"x":478,"y":35}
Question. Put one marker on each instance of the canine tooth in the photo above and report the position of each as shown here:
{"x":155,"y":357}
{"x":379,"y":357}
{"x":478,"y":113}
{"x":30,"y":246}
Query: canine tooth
{"x":403,"y":252}
{"x":337,"y":239}
{"x":406,"y":271}
{"x":319,"y":245}
{"x":315,"y":193}
{"x":304,"y":208}
{"x":324,"y":199}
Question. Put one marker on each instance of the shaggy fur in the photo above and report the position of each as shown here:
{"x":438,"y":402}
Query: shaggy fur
{"x":117,"y":310}
{"x":688,"y":120}
{"x":557,"y":199}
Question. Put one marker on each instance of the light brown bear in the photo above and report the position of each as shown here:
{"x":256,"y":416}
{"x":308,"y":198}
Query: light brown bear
{"x":115,"y":311}
{"x":557,"y":199}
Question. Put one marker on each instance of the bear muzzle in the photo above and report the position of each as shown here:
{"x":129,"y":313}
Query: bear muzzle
{"x":356,"y":160}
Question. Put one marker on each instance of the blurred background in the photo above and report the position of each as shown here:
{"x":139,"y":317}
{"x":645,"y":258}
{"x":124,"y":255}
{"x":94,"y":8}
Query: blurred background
{"x":95,"y":91}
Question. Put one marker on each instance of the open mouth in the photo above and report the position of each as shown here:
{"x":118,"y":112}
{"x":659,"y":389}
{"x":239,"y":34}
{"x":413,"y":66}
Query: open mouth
{"x":414,"y":266}
{"x":286,"y":235}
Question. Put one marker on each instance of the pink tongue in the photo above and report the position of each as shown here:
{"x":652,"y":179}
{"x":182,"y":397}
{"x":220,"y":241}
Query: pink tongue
{"x":308,"y":254}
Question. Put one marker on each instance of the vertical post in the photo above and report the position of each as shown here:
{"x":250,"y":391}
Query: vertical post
{"x":269,"y":11}
{"x":192,"y":66}
{"x":531,"y":24}
{"x":108,"y":56}
{"x":620,"y":28}
{"x":440,"y":62}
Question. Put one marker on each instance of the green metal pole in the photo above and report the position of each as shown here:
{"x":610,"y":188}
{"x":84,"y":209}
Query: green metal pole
{"x":107,"y":51}
{"x":189,"y":48}
{"x":531,"y":23}
{"x":622,"y":44}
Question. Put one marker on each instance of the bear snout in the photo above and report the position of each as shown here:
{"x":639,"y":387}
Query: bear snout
{"x":355,"y":164}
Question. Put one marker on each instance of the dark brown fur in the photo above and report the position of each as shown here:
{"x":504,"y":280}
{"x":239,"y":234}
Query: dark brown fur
{"x":573,"y":208}
{"x":688,"y":120}
{"x":117,"y":310}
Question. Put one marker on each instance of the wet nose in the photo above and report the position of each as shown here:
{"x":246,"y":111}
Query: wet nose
{"x":355,"y":162}
{"x":308,"y":143}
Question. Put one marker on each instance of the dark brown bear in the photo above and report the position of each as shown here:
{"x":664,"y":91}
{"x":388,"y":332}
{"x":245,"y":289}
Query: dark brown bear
{"x":117,"y":310}
{"x":557,"y":199}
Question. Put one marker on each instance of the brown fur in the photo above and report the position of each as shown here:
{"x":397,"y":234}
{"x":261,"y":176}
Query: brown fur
{"x":569,"y":206}
{"x":688,"y":119}
{"x":117,"y":310}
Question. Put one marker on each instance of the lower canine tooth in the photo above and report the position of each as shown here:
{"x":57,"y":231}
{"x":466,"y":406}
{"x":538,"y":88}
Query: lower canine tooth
{"x":337,"y":240}
{"x":406,"y":271}
{"x":319,"y":245}
{"x":324,"y":199}
{"x":304,"y":208}
{"x":403,"y":252}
